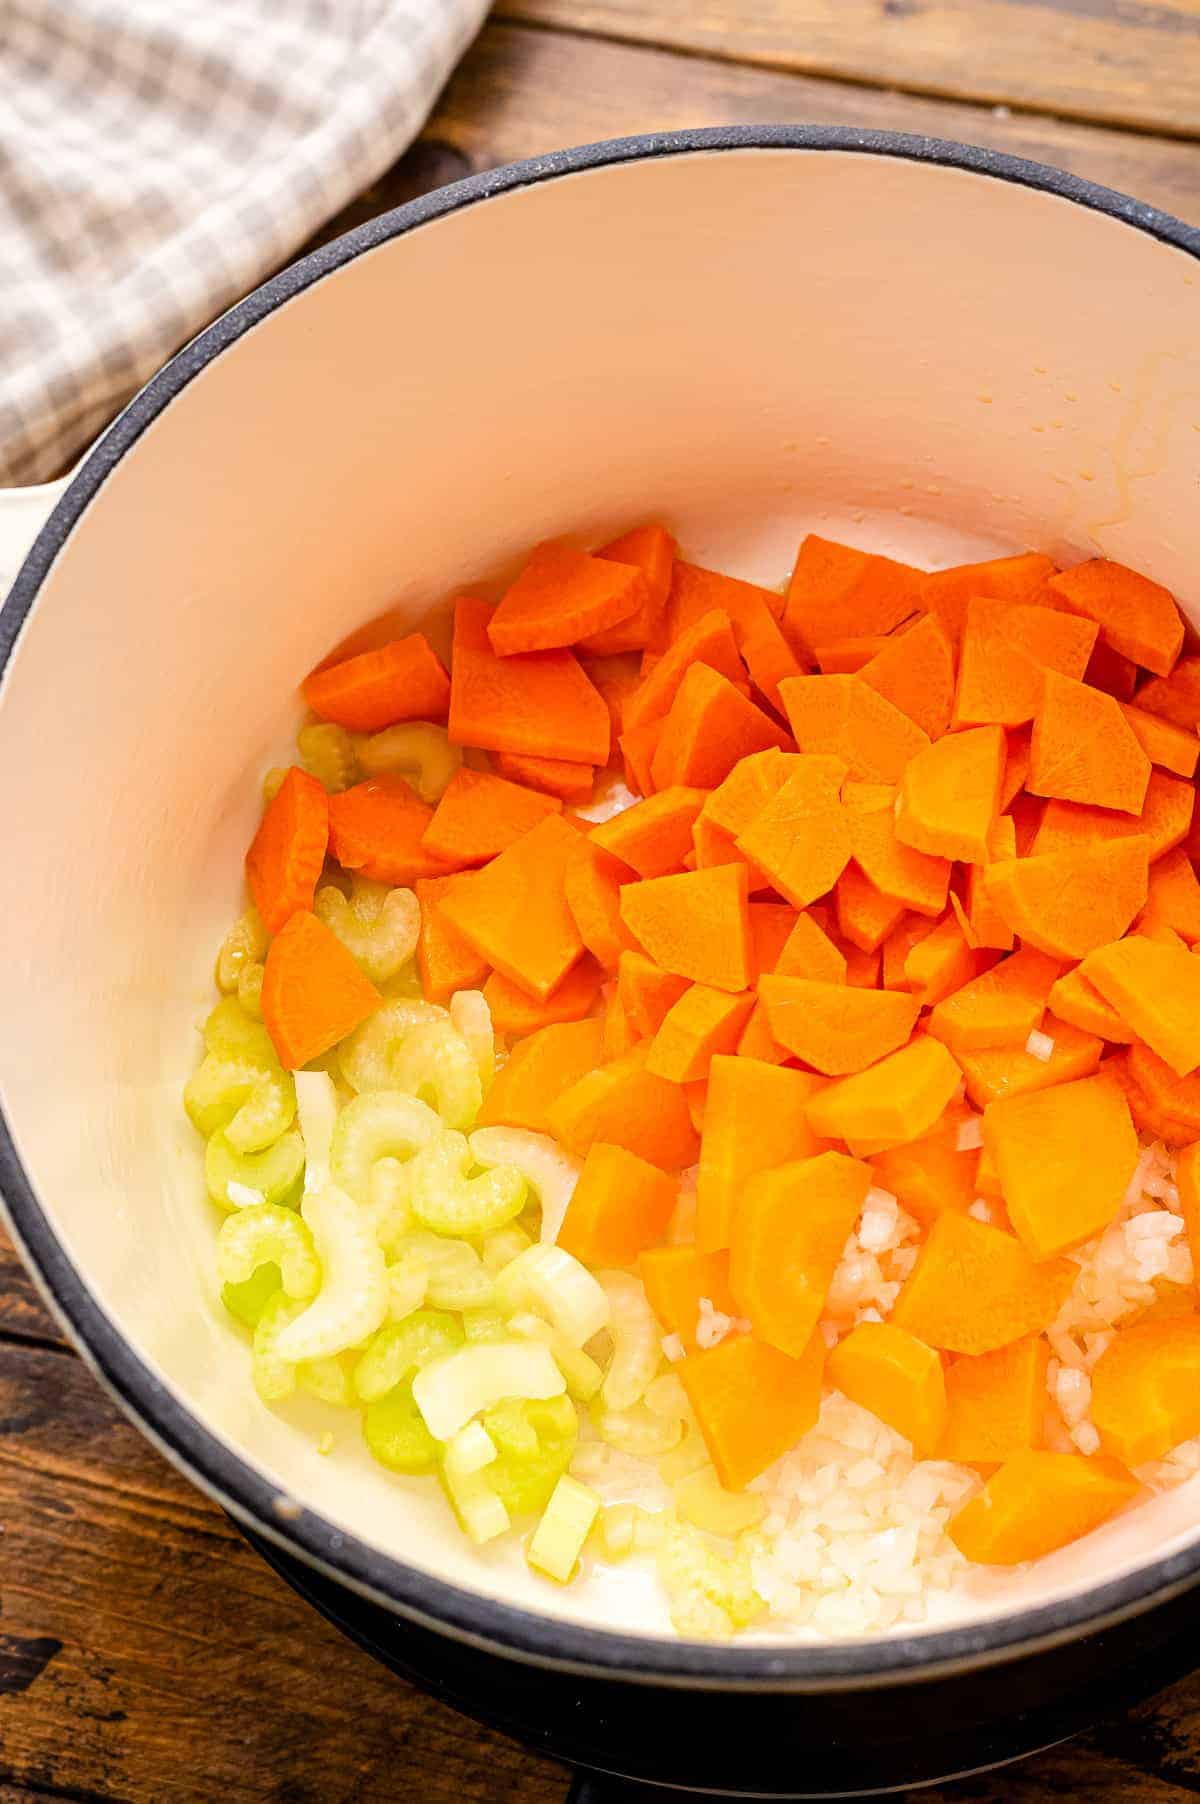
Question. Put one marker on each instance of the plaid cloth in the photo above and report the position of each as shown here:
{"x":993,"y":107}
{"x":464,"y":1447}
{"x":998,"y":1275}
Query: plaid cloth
{"x":160,"y":157}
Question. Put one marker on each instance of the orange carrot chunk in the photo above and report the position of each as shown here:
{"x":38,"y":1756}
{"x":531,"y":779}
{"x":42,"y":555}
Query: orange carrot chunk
{"x":941,"y":962}
{"x":515,"y":1011}
{"x":676,"y":1278}
{"x":552,"y":776}
{"x":592,"y":886}
{"x":287,"y":854}
{"x":514,"y":912}
{"x":1136,"y":617}
{"x":703,"y":1022}
{"x":1012,"y":1070}
{"x":988,"y":926}
{"x":752,"y":1402}
{"x":1038,"y":1502}
{"x":478,"y":815}
{"x":710,"y":726}
{"x":1146,"y":1389}
{"x":834,"y":1027}
{"x":1064,"y":1157}
{"x":843,"y":717}
{"x":624,"y":1104}
{"x":378,"y":828}
{"x":897,"y":1377}
{"x":313,"y":992}
{"x":537,"y":705}
{"x":788,"y":1235}
{"x":754,"y":1120}
{"x":1072,"y":998}
{"x":1068,"y":903}
{"x":650,"y":549}
{"x":900,"y":1098}
{"x":865,"y":916}
{"x":800,"y":838}
{"x":1006,"y":652}
{"x":1175,"y":894}
{"x":695,"y":924}
{"x":1175,"y":698}
{"x":946,"y":593}
{"x":897,"y":947}
{"x":1155,"y":988}
{"x":1187,"y":1178}
{"x":647,"y":992}
{"x":620,"y":1207}
{"x":765,"y":652}
{"x":772,"y":924}
{"x":620,"y":1036}
{"x":709,"y":641}
{"x":995,"y":1403}
{"x":445,"y":962}
{"x":1173,"y":748}
{"x":837,"y":591}
{"x":975,"y":1288}
{"x":1165,"y":1091}
{"x":696,"y":591}
{"x":1002,"y":1007}
{"x":563,"y":595}
{"x":376,"y":689}
{"x":758,"y":1042}
{"x":1165,"y":820}
{"x":949,"y":795}
{"x":1084,"y":750}
{"x":655,"y":836}
{"x":808,"y":952}
{"x":915,"y":672}
{"x":916,"y":879}
{"x":932,"y":1173}
{"x":843,"y":657}
{"x":537,"y":1071}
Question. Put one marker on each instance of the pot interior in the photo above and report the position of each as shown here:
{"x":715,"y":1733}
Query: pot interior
{"x":747,"y":344}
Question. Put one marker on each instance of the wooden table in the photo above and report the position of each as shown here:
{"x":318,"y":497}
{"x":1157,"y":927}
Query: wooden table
{"x":135,"y":1625}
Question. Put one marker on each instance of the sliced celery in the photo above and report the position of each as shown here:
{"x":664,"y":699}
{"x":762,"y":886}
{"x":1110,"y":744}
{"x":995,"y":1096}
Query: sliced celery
{"x":583,"y":1376}
{"x":702,"y":1500}
{"x":484,"y":1325}
{"x":400,"y":1349}
{"x":244,"y":944}
{"x":638,"y":1431}
{"x":249,"y":990}
{"x":557,"y":1541}
{"x":452,"y":1390}
{"x":274,"y":1175}
{"x":247,"y":1300}
{"x":481,"y":1514}
{"x":378,"y":926}
{"x":267,"y":1233}
{"x":380,"y":1124}
{"x":550,"y":1173}
{"x":408,"y":1281}
{"x":558,"y":1286}
{"x":637,"y":1341}
{"x":456,"y":1277}
{"x":416,"y":749}
{"x":435,"y":1063}
{"x":367,"y":1057}
{"x":445,"y":1199}
{"x":230,"y":1033}
{"x":274,"y":1377}
{"x":535,"y":1442}
{"x":471,"y":1017}
{"x":327,"y":753}
{"x":396,"y":1435}
{"x":327,"y":1379}
{"x":354,"y":1293}
{"x":502,"y":1247}
{"x":711,"y":1593}
{"x":254,"y":1105}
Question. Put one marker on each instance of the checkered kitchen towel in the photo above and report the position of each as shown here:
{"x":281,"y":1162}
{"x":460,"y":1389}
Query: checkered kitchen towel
{"x":159,"y":157}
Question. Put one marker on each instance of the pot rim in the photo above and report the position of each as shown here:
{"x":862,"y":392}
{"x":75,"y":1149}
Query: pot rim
{"x":202,"y":1455}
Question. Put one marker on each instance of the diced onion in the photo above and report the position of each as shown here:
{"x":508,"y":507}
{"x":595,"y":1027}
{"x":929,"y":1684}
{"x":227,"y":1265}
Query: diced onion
{"x":550,"y":1173}
{"x":450,"y":1391}
{"x":316,"y":1105}
{"x":470,"y":1451}
{"x":1040,"y":1046}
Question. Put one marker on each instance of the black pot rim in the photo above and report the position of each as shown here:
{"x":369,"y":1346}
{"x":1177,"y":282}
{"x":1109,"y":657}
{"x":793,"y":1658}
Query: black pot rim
{"x":204,"y":1456}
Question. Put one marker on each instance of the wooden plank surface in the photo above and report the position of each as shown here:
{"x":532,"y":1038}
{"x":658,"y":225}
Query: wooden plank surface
{"x":1131,"y":62}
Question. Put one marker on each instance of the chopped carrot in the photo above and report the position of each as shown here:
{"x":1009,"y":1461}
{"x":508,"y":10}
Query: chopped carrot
{"x":800,"y":838}
{"x":624,"y":1104}
{"x":592,"y":886}
{"x":376,"y":689}
{"x":754,"y":1121}
{"x":710,"y":726}
{"x":696,"y":1093}
{"x":1001,"y":1007}
{"x":1176,"y":697}
{"x":552,"y":776}
{"x":918,"y":880}
{"x":638,"y":746}
{"x":1136,"y":617}
{"x":516,"y":1012}
{"x":863,"y":967}
{"x":655,"y":836}
{"x":696,"y":591}
{"x":900,"y":1098}
{"x":915,"y":671}
{"x":752,"y":1402}
{"x":313,"y":992}
{"x":946,"y":593}
{"x":445,"y":962}
{"x":865,"y":916}
{"x":988,"y":925}
{"x":933,"y":1172}
{"x":843,"y":657}
{"x":1084,"y":750}
{"x":287,"y":854}
{"x":701,"y":1023}
{"x":561,"y":596}
{"x":898,"y":1378}
{"x":742,"y":795}
{"x":478,"y":815}
{"x":1011,"y":1070}
{"x":987,"y":1178}
{"x":1155,"y":989}
{"x":1068,"y":903}
{"x":1072,"y":998}
{"x":1027,"y":814}
{"x":765,"y":652}
{"x":897,"y":947}
{"x":695,"y":924}
{"x":647,"y":992}
{"x":378,"y":828}
{"x":1166,"y":1092}
{"x":1064,"y":1157}
{"x":975,"y":1288}
{"x":1175,"y":894}
{"x":1038,"y":1502}
{"x":809,"y":952}
{"x":676,"y":1278}
{"x":616,"y":677}
{"x":789,"y":1232}
{"x":995,"y":1403}
{"x":837,"y":591}
{"x":772,"y":925}
{"x":842,"y":716}
{"x":941,"y":962}
{"x":1147,"y":1118}
{"x":1146,"y":1389}
{"x":1187,"y":1179}
{"x":1006,"y":652}
{"x":708,"y":641}
{"x":758,"y":1042}
{"x":538,"y":705}
{"x":652,"y":550}
{"x":537,"y":1071}
{"x":1165,"y":820}
{"x":1109,"y":671}
{"x":1151,"y":926}
{"x":1017,"y":742}
{"x":834,"y":1027}
{"x":620,"y":1207}
{"x":620,"y":1036}
{"x":514,"y":911}
{"x":949,"y":795}
{"x":1170,"y":747}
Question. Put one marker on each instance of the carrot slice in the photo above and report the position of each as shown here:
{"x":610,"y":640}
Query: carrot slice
{"x":514,"y":911}
{"x":287,"y":854}
{"x":1016,"y":763}
{"x":313,"y":992}
{"x":616,"y":677}
{"x":676,"y":1278}
{"x":647,"y":992}
{"x":1109,"y":671}
{"x":916,"y":879}
{"x":620,"y":1036}
{"x":897,"y":947}
{"x":1068,"y":903}
{"x":592,"y":886}
{"x":1176,"y":697}
{"x":837,"y":592}
{"x":745,"y":792}
{"x":563,"y":595}
{"x":538,"y":1070}
{"x":941,"y":962}
{"x":897,"y":1377}
{"x":843,"y":657}
{"x":1148,"y":1118}
{"x":975,"y":1288}
{"x":933,"y":1172}
{"x":538,"y":705}
{"x":552,"y":776}
{"x":626,"y":1105}
{"x":1146,"y":1389}
{"x":946,"y":593}
{"x":1002,"y":1007}
{"x":995,"y":1403}
{"x":754,"y":1120}
{"x":800,"y":838}
{"x":1072,"y":998}
{"x":915,"y":672}
{"x":620,"y":1207}
{"x":696,"y":591}
{"x":709,"y":641}
{"x":1038,"y":1502}
{"x":703,"y":1022}
{"x":1084,"y":750}
{"x":515,"y":1011}
{"x":834,"y":1027}
{"x":1187,"y":1178}
{"x":865,"y":916}
{"x":695,"y":924}
{"x":478,"y":815}
{"x":863,"y":967}
{"x":1165,"y":820}
{"x":710,"y":726}
{"x":752,"y":1402}
{"x":809,"y":952}
{"x":655,"y":836}
{"x":765,"y":652}
{"x":652,"y":550}
{"x":378,"y":828}
{"x":1172,"y":748}
{"x":788,"y":1235}
{"x":988,"y":926}
{"x":1064,"y":1158}
{"x":1155,"y":989}
{"x":950,"y":793}
{"x":445,"y":962}
{"x":900,"y":1098}
{"x":1011,"y":1070}
{"x":772,"y":925}
{"x":1136,"y":617}
{"x":1006,"y":652}
{"x":758,"y":1042}
{"x":842,"y":716}
{"x":1175,"y":894}
{"x":376,"y":689}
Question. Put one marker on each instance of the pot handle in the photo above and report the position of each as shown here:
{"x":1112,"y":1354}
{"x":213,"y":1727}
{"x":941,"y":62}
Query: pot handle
{"x":23,"y":513}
